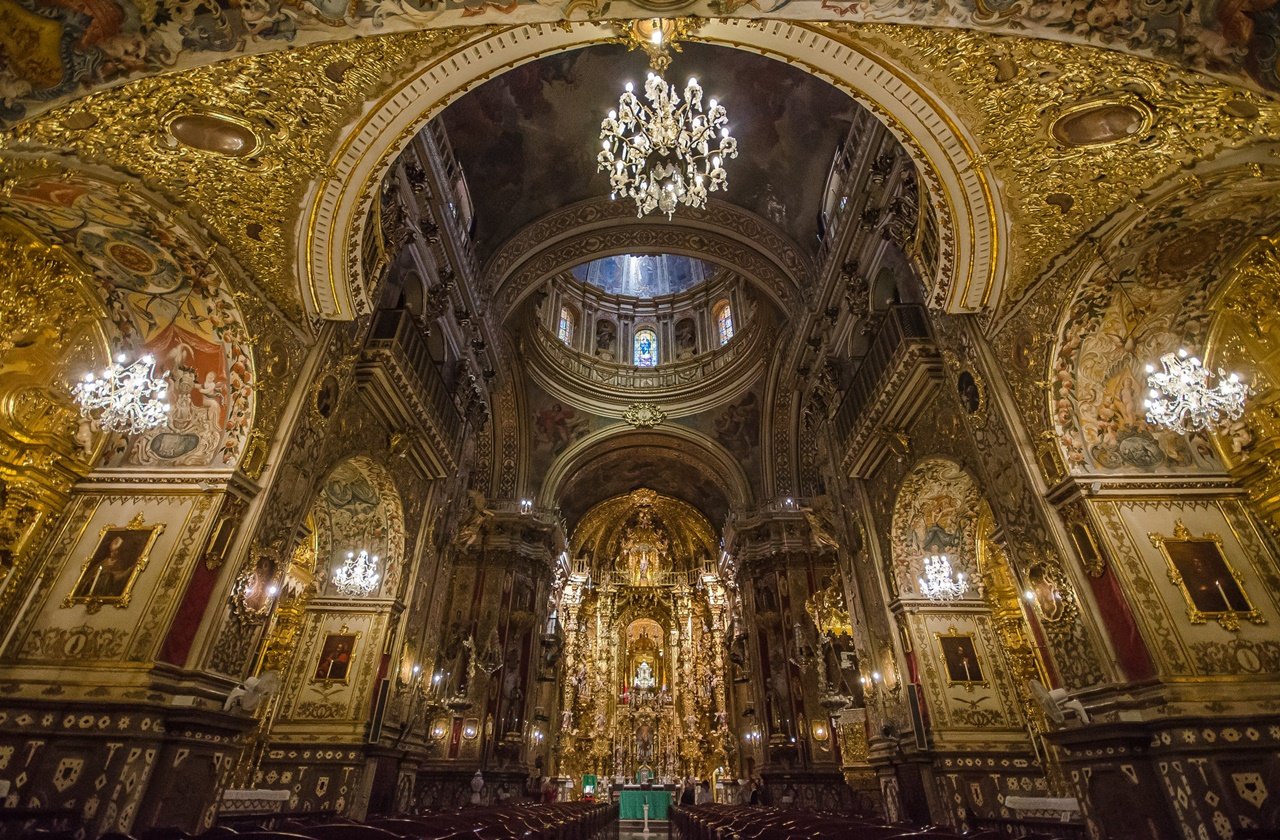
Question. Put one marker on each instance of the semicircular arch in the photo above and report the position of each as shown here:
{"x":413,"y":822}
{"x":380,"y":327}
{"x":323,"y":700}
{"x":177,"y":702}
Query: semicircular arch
{"x":722,"y":234}
{"x":969,"y":212}
{"x":696,"y":458}
{"x":162,"y":296}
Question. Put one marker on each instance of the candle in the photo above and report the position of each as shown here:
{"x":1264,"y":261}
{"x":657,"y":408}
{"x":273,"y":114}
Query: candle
{"x":1226,"y":605}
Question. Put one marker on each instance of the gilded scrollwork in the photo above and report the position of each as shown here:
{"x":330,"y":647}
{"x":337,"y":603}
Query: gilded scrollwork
{"x":248,"y":201}
{"x":1054,"y":191}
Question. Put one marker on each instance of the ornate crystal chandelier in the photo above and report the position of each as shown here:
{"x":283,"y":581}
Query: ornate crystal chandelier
{"x":668,"y":152}
{"x":126,"y":400}
{"x":358,"y":575}
{"x":1182,"y":400}
{"x":939,"y":582}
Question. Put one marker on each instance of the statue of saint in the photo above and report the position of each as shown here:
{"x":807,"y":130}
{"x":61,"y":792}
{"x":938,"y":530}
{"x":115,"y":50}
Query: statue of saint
{"x":644,"y":676}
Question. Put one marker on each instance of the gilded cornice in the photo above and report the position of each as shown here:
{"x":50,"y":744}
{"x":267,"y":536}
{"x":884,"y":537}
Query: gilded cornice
{"x":1008,"y":91}
{"x":294,"y":103}
{"x":722,"y":233}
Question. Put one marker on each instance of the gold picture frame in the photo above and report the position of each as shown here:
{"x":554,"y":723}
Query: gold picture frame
{"x":960,"y":658}
{"x":110,"y":572}
{"x":1198,"y":566}
{"x":336,"y":657}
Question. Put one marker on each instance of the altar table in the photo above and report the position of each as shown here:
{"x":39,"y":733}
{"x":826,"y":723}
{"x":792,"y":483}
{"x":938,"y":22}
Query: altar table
{"x":631,"y":803}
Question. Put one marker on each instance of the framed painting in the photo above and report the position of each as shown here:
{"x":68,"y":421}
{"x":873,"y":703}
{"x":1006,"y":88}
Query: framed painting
{"x":1211,"y":586}
{"x":972,"y":391}
{"x":336,"y":656}
{"x":108,"y":575}
{"x":960,"y":658}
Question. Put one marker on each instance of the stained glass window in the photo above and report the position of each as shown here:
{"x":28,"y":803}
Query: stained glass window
{"x":646,"y":348}
{"x":724,"y":322}
{"x":565,"y":332}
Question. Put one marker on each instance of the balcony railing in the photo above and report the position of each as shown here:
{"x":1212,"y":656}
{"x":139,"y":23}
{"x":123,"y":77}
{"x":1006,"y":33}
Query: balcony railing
{"x":665,"y":376}
{"x":904,"y":327}
{"x":397,"y":337}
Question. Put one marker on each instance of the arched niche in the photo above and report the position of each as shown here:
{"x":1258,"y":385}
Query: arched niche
{"x":335,"y":640}
{"x":357,"y":507}
{"x":161,"y":294}
{"x":936,"y":512}
{"x":1144,"y":288}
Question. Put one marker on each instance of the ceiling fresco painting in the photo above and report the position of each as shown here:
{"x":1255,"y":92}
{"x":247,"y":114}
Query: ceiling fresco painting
{"x":162,"y":297}
{"x":52,"y":51}
{"x":645,"y":275}
{"x":526,"y":140}
{"x":623,"y":471}
{"x":1154,"y":299}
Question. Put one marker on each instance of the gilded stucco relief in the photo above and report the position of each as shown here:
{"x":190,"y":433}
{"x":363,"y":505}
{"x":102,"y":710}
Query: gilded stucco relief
{"x":1010,"y":92}
{"x":161,"y":296}
{"x":76,"y":49}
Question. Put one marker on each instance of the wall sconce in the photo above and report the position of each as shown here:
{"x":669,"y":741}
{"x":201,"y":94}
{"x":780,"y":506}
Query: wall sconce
{"x":820,"y":732}
{"x":526,"y":506}
{"x":437,"y":731}
{"x":469,"y":731}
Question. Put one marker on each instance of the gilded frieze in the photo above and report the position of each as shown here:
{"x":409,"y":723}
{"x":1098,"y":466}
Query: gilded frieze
{"x":61,"y":52}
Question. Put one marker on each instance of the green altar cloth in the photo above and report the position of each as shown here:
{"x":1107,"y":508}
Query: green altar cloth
{"x":631,"y":804}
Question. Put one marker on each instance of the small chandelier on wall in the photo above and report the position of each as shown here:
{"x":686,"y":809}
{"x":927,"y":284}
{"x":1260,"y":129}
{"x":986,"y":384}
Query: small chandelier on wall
{"x":125,"y":400}
{"x":940,"y":583}
{"x":669,"y":151}
{"x":358,"y":575}
{"x":1182,"y":400}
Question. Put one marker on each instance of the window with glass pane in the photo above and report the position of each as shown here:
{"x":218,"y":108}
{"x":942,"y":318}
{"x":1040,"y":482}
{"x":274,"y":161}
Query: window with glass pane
{"x":724,"y":323}
{"x":646,"y":348}
{"x":566,"y":325}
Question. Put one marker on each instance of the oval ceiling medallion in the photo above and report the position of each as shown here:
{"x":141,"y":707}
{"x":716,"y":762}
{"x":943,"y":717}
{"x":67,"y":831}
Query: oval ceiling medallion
{"x":1102,"y":122}
{"x":214,"y":133}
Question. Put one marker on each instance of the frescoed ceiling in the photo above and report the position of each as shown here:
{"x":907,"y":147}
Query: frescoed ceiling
{"x":624,"y":470}
{"x":645,"y":275}
{"x":54,"y":50}
{"x":527,"y":140}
